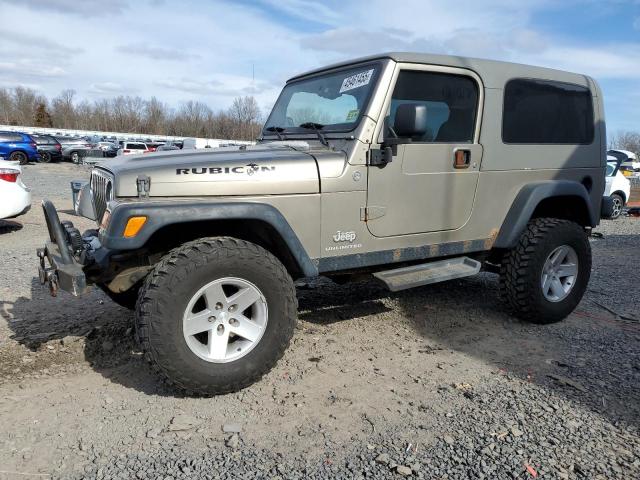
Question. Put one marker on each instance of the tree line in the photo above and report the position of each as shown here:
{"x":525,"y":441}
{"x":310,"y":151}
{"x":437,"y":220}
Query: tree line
{"x":27,"y":107}
{"x":625,"y":140}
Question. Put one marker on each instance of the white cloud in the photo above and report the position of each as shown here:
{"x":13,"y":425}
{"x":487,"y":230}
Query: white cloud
{"x":26,"y":68}
{"x":92,"y":8}
{"x":312,"y":11}
{"x":614,"y":61}
{"x":110,"y":88}
{"x":41,"y":44}
{"x":157,"y":53}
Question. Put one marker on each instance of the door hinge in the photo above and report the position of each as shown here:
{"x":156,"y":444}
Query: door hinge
{"x":371,"y":213}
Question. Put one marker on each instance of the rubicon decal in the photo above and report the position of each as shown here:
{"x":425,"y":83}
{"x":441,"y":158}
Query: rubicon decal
{"x":249,"y":169}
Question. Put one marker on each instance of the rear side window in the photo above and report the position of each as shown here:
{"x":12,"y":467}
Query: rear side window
{"x":451,"y":101}
{"x":11,"y":137}
{"x":546,"y":112}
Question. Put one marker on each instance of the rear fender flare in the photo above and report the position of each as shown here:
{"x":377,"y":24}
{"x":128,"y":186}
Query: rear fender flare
{"x":528,"y":199}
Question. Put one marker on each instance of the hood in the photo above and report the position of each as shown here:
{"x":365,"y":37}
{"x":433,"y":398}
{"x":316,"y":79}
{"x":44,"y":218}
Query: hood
{"x":256,"y":170}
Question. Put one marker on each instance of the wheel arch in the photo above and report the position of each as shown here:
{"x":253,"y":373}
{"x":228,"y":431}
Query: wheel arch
{"x":564,"y":199}
{"x":621,"y":194}
{"x":170,"y":225}
{"x":19,"y":150}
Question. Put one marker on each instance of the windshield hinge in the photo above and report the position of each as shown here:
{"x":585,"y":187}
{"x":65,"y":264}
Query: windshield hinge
{"x":143,"y":182}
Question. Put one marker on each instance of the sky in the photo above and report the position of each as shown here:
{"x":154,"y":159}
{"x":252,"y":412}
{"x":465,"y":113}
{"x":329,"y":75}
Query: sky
{"x":215,"y":50}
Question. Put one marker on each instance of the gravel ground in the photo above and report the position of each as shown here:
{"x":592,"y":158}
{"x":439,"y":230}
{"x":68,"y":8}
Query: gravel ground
{"x":437,"y":382}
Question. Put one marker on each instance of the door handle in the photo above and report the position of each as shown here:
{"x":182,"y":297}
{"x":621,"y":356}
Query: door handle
{"x":461,"y":158}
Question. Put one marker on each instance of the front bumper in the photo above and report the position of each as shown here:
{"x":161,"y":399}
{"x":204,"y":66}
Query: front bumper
{"x":63,"y":271}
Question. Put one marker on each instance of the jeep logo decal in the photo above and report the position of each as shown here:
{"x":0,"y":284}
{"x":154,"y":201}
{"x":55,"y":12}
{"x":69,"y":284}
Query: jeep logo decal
{"x":249,"y":169}
{"x":344,"y":237}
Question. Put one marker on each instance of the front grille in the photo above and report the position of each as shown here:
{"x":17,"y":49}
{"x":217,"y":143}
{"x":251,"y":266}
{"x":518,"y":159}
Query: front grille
{"x":102,"y":190}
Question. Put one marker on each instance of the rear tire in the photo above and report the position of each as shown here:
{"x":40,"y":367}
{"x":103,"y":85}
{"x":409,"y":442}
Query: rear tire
{"x":19,"y":157}
{"x":75,"y":157}
{"x":178,"y":291}
{"x":45,"y":157}
{"x":535,"y":277}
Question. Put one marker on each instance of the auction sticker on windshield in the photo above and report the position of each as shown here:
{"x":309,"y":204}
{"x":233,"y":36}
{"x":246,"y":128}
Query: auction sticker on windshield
{"x":356,"y":81}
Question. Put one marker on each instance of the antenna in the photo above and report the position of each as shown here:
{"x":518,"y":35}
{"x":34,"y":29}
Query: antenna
{"x":253,"y":94}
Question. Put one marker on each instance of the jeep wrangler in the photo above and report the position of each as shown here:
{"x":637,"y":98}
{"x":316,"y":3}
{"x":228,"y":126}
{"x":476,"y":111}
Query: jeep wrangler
{"x":411,"y":168}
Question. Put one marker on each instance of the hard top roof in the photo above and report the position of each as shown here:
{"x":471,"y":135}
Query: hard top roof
{"x":494,"y":73}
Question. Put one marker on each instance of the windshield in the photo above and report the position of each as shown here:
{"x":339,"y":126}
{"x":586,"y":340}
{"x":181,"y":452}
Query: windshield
{"x":332,"y":102}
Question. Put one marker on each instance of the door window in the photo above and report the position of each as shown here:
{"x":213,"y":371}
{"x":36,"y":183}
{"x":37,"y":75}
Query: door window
{"x":451,"y":101}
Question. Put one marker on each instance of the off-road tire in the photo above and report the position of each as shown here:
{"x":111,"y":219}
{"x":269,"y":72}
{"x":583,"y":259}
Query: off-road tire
{"x":172,"y":283}
{"x":20,"y":157}
{"x":521,"y":270}
{"x":127,"y":299}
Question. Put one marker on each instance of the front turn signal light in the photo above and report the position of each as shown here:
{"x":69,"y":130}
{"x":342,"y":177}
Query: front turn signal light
{"x":134,"y":225}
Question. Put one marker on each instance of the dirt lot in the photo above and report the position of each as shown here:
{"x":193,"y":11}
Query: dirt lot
{"x":437,"y":382}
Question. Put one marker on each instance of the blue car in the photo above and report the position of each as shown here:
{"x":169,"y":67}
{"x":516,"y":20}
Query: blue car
{"x":18,"y":147}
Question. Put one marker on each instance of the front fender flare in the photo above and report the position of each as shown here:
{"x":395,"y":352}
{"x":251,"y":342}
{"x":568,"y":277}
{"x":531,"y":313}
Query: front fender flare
{"x":529,"y":197}
{"x":161,"y":214}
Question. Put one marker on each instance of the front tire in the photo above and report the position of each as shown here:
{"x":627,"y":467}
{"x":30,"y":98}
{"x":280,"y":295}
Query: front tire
{"x":45,"y":157}
{"x":216,"y":314}
{"x":75,"y":157}
{"x":545,"y":276}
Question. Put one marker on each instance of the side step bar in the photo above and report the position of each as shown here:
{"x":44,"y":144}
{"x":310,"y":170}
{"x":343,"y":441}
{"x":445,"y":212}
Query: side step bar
{"x":427,"y":273}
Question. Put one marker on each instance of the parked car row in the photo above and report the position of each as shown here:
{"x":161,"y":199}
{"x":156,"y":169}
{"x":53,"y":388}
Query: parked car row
{"x":24,"y":148}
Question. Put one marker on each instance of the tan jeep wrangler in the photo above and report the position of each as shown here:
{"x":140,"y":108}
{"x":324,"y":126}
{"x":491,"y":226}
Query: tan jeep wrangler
{"x":412,"y":168}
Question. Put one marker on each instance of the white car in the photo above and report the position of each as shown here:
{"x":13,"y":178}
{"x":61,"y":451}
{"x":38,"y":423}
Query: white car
{"x":617,"y":187}
{"x":15,"y":197}
{"x":629,"y":159}
{"x":133,"y":148}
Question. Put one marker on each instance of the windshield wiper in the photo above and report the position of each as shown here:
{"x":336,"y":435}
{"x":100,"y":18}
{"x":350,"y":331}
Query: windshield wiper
{"x":316,"y":127}
{"x":277,"y":130}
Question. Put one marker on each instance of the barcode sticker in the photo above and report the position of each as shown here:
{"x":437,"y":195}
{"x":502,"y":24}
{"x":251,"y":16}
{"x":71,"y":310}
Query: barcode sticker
{"x":356,"y":81}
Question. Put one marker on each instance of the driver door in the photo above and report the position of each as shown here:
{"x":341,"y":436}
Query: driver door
{"x":430,"y":184}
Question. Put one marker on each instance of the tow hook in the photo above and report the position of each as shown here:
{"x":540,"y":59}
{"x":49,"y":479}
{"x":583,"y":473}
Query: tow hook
{"x":42,"y":269}
{"x":47,"y":275}
{"x":52,"y":280}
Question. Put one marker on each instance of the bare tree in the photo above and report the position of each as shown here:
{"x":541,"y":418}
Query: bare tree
{"x":63,"y":109}
{"x":625,"y":140}
{"x":22,"y":106}
{"x":245,"y":113}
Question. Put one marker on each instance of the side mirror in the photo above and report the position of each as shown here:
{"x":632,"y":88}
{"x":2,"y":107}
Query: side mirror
{"x":411,"y":120}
